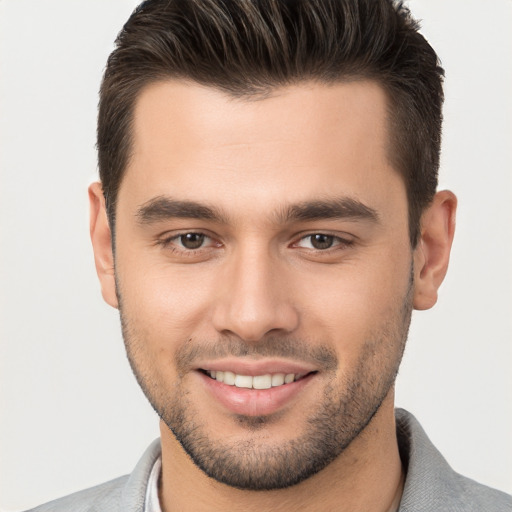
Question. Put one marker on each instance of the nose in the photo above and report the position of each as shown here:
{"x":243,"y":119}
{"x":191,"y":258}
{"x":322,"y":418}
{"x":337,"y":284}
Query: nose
{"x":255,"y":299}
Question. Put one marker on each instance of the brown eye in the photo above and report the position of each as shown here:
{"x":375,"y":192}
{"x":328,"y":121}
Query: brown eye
{"x":192,"y":240}
{"x":321,"y":241}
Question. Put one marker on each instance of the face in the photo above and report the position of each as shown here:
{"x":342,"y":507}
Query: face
{"x":263,"y":272}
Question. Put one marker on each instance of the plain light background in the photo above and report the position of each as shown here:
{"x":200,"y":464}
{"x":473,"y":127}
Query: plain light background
{"x":71,"y":414}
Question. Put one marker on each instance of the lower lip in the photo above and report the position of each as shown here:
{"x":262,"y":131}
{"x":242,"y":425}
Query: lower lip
{"x":254,"y":402}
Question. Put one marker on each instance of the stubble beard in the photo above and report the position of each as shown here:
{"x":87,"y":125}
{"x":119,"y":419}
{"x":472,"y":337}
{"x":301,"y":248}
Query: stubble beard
{"x":255,"y":463}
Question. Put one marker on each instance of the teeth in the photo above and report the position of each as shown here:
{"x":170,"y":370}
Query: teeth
{"x":262,"y":382}
{"x":277,"y":379}
{"x":243,"y":381}
{"x":257,"y":382}
{"x":289,"y":378}
{"x":229,"y":378}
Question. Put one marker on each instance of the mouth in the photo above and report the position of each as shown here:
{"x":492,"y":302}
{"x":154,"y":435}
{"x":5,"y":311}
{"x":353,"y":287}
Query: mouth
{"x":266,"y":381}
{"x":260,"y":394}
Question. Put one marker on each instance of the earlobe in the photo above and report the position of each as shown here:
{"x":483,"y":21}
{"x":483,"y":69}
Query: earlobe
{"x":432,"y":253}
{"x":101,"y":238}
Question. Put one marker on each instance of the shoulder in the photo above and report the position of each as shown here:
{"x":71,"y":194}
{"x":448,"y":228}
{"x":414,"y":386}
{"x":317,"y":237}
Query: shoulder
{"x":473,"y":496}
{"x":105,"y":496}
{"x":124,"y":494}
{"x":431,"y":484}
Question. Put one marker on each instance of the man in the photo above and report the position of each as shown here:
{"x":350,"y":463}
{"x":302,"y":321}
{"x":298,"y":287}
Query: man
{"x":266,"y":221}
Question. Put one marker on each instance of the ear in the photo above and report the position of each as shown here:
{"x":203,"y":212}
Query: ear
{"x":101,"y":238}
{"x":432,"y":253}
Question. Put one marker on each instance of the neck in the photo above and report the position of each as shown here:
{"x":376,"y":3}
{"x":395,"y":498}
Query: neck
{"x":367,"y":476}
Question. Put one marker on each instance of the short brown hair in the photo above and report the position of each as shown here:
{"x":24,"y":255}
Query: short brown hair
{"x":248,"y":47}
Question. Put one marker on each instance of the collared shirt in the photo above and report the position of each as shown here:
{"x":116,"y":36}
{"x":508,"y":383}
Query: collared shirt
{"x":430,"y":484}
{"x":152,"y":502}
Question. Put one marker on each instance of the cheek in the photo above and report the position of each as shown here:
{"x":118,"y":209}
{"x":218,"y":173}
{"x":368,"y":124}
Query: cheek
{"x":165,"y":300}
{"x":354,"y":303}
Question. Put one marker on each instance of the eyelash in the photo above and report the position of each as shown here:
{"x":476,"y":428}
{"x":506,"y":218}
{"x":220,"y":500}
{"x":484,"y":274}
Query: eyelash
{"x":167,"y":243}
{"x":338,"y":242}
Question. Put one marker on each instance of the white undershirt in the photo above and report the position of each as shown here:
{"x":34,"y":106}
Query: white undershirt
{"x":152,"y":503}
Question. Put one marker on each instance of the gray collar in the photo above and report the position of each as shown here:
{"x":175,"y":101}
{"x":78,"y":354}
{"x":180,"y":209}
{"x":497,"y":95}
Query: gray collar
{"x":430,"y":485}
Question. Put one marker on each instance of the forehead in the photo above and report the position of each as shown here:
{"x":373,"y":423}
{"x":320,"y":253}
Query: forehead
{"x":299,"y":143}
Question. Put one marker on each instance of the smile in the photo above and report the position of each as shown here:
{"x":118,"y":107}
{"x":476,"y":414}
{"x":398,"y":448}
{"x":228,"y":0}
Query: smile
{"x":252,"y":391}
{"x":266,"y":381}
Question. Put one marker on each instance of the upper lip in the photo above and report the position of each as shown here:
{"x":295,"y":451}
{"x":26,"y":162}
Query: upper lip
{"x":257,"y":367}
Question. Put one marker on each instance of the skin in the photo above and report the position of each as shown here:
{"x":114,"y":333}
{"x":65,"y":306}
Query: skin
{"x":257,"y":283}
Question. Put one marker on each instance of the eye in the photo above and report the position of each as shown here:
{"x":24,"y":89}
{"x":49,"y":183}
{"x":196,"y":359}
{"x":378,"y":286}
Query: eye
{"x":187,"y":242}
{"x":191,"y":240}
{"x":321,"y":242}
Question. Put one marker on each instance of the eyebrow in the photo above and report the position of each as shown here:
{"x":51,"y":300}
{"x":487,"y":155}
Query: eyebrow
{"x":338,"y":208}
{"x":163,"y":208}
